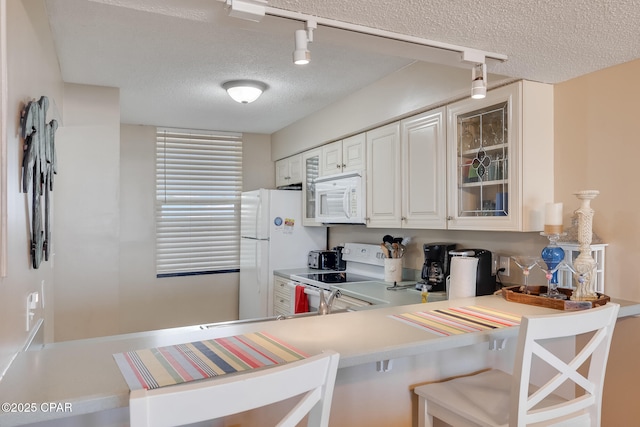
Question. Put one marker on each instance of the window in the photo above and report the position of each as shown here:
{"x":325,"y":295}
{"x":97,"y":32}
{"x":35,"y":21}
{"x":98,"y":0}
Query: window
{"x":198,"y":189}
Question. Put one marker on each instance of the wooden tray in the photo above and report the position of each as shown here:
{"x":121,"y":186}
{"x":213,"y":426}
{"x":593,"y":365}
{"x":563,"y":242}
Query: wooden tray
{"x":514,"y":294}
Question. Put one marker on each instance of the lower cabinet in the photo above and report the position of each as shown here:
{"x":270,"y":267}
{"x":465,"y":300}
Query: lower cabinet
{"x":283,"y":297}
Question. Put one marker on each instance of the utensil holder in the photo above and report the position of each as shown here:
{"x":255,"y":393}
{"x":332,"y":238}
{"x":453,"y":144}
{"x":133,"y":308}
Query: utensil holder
{"x":393,"y":269}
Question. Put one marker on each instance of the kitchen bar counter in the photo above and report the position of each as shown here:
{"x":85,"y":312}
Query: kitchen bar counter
{"x":83,"y":377}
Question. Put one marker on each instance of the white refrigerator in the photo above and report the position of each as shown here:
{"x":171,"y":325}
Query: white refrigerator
{"x":272,"y":238}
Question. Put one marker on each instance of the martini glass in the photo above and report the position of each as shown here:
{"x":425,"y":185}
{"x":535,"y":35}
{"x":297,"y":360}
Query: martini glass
{"x":526,"y":263}
{"x":552,"y":288}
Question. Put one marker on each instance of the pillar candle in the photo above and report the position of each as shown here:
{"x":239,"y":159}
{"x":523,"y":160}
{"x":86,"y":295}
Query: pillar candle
{"x":553,"y":218}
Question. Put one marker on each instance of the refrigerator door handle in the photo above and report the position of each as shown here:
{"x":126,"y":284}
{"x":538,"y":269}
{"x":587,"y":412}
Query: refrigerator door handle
{"x":258,"y":217}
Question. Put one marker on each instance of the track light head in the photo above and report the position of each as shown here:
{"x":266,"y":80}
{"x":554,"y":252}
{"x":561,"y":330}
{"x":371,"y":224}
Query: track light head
{"x":301,"y":55}
{"x":479,"y":81}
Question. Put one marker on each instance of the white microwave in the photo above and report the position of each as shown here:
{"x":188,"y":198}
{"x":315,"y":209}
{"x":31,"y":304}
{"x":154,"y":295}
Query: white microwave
{"x":341,"y":198}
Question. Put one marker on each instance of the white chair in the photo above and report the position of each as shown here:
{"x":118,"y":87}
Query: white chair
{"x":230,"y":394}
{"x":495,"y":398}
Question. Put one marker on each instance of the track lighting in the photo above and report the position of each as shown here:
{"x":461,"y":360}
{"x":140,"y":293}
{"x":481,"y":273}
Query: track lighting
{"x":479,"y":81}
{"x":244,"y":91}
{"x":251,"y":10}
{"x":255,"y":10}
{"x":301,"y":54}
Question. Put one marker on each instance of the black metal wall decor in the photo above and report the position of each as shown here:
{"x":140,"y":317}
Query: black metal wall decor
{"x":38,"y":168}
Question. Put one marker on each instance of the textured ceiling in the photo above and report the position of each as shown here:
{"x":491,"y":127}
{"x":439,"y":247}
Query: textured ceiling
{"x":170,"y":57}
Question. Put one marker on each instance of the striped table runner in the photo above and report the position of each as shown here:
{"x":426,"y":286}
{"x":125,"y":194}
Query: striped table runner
{"x":175,"y":364}
{"x":459,"y":320}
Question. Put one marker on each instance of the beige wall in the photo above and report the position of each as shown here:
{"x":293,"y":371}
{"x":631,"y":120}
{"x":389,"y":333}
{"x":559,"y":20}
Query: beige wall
{"x":258,"y":171}
{"x":596,"y":147}
{"x":32,"y":72}
{"x":146,"y":302}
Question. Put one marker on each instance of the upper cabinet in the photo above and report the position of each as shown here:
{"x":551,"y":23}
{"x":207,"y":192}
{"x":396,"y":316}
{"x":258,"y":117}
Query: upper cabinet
{"x":344,"y":155}
{"x":310,"y":171}
{"x":289,"y":171}
{"x":383,"y":177}
{"x":424,"y":174}
{"x":500,"y":159}
{"x":472,"y":165}
{"x":406,"y":173}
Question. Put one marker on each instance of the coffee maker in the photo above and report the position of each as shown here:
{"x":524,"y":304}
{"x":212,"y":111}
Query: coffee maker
{"x":437,"y":264}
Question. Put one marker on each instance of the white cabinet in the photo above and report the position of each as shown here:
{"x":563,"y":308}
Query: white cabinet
{"x":500,"y":159}
{"x":383,"y":177}
{"x":424,"y":176}
{"x":343,"y":156}
{"x":289,"y":171}
{"x":406,"y":173}
{"x":283,"y":298}
{"x":310,"y":171}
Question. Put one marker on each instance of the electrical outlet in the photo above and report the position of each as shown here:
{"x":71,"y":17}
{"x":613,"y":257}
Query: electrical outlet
{"x":505,"y":261}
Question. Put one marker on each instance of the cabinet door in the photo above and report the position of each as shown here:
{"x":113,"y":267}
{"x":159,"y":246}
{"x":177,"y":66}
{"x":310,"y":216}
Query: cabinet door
{"x":481,"y":144}
{"x":424,"y":179}
{"x":331,"y":158}
{"x":282,"y":298}
{"x":289,"y":171}
{"x":282,"y":172}
{"x":501,"y":159}
{"x":353,"y":153}
{"x":295,"y":169}
{"x":311,"y":171}
{"x":383,"y":177}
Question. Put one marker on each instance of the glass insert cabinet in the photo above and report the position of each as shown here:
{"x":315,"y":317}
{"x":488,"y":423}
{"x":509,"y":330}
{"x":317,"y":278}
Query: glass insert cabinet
{"x":311,"y":171}
{"x":500,"y":162}
{"x":483,"y":162}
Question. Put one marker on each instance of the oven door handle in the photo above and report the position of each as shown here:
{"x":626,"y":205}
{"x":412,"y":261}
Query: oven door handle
{"x":311,"y":291}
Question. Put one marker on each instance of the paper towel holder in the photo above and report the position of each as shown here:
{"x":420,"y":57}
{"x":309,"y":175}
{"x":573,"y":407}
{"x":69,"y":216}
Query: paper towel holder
{"x":465,"y":252}
{"x":485,"y":279}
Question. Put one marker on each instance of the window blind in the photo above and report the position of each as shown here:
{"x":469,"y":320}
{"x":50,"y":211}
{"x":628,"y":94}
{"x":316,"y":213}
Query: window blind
{"x":198,"y":189}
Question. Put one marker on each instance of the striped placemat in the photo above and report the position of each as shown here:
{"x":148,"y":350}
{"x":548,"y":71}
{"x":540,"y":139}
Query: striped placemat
{"x":459,"y":320}
{"x":162,"y":366}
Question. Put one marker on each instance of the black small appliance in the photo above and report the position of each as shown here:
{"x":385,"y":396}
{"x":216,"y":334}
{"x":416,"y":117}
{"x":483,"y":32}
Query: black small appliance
{"x":341,"y":264}
{"x":437,"y":264}
{"x":485,"y":279}
{"x":322,"y":259}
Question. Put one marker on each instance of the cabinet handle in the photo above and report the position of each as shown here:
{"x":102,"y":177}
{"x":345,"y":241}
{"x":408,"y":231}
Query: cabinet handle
{"x":338,"y":166}
{"x":344,"y":165}
{"x":449,"y":218}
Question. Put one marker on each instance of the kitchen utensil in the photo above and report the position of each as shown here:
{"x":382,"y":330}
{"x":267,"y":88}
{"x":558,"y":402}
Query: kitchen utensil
{"x":385,"y":250}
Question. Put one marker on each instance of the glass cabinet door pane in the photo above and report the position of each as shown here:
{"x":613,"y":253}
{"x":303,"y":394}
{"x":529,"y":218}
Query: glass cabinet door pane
{"x":483,"y":155}
{"x":312,"y":170}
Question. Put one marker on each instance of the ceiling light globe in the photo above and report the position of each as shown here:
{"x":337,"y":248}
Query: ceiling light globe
{"x":244,"y":91}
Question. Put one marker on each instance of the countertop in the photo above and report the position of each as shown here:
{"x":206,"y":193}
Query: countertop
{"x":375,"y":292}
{"x":83,"y":373}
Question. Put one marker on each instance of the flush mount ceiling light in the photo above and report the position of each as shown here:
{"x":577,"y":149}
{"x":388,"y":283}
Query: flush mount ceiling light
{"x":244,"y":91}
{"x":479,"y":81}
{"x":301,"y":55}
